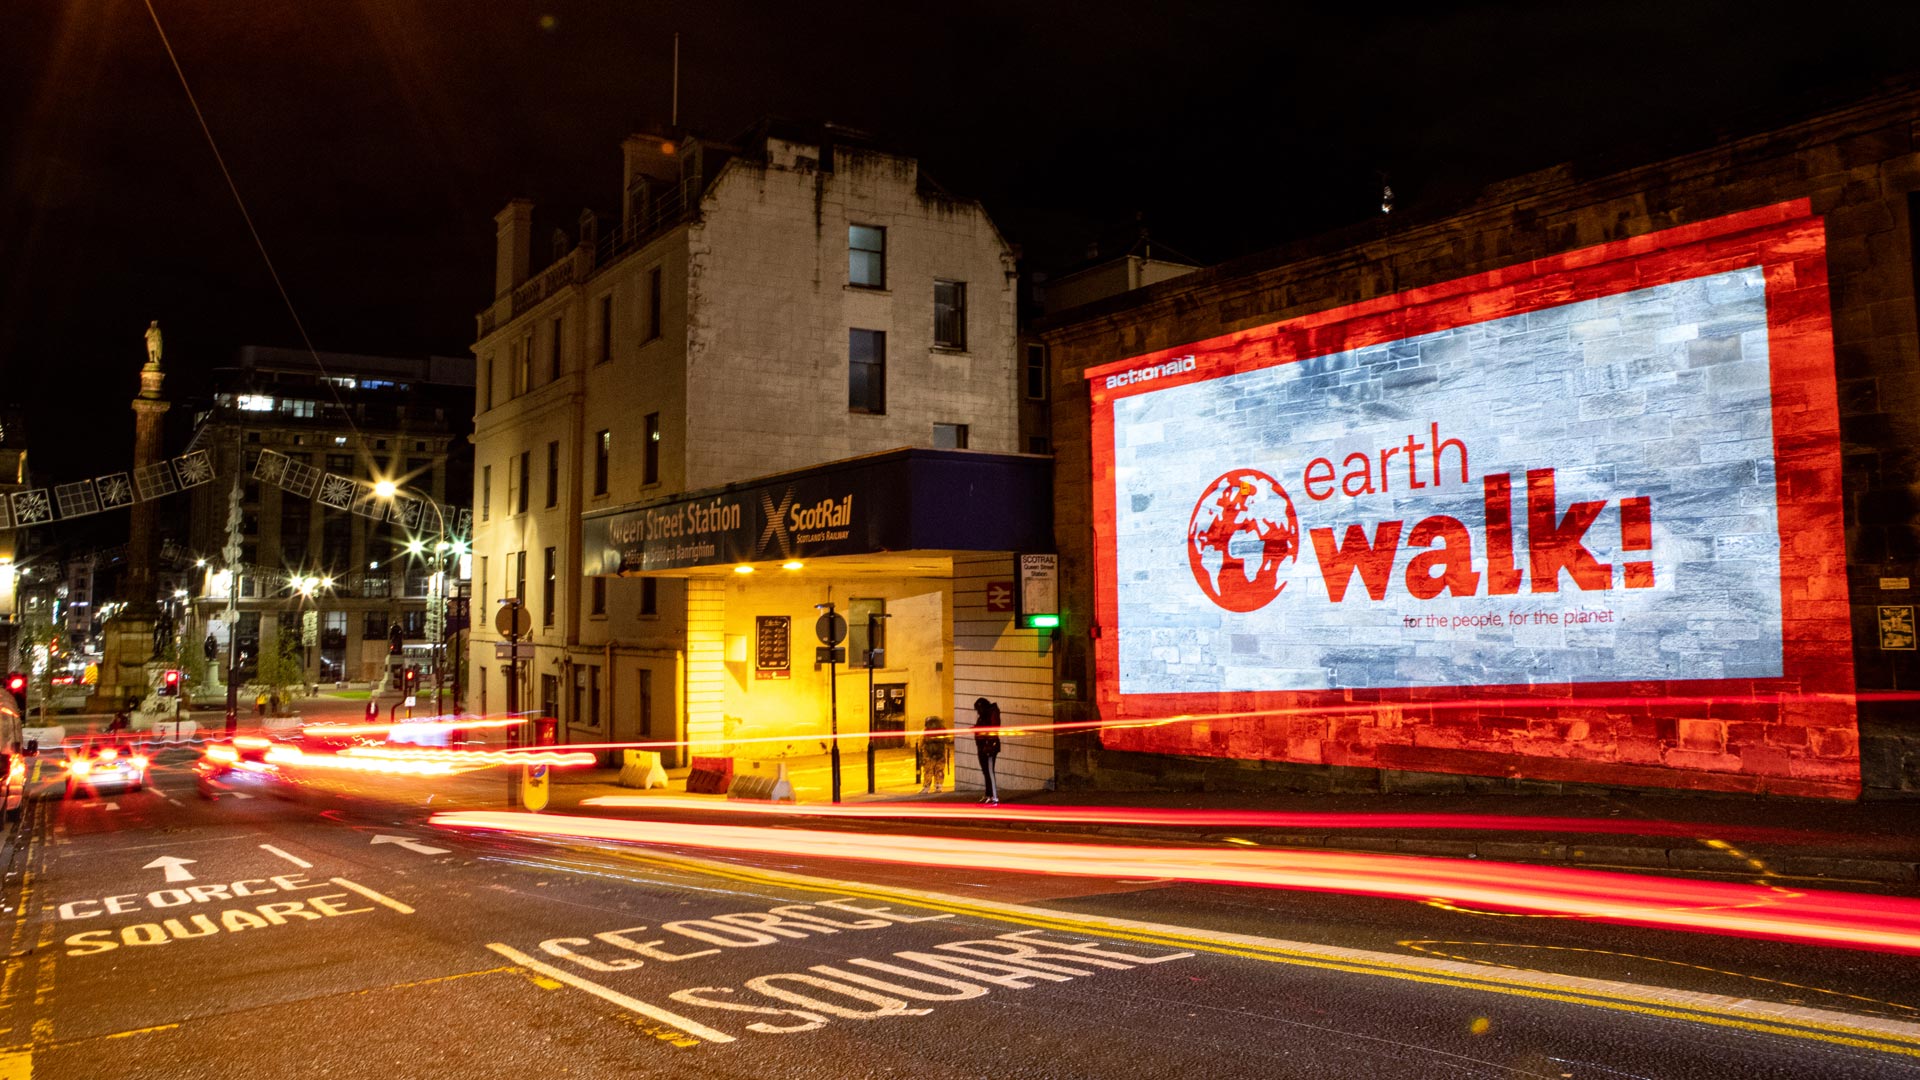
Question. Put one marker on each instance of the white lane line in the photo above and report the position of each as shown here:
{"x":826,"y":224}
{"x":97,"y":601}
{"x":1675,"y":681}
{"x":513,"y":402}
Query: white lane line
{"x":673,"y":1019}
{"x":175,"y":801}
{"x":294,"y":859}
{"x":377,"y":898}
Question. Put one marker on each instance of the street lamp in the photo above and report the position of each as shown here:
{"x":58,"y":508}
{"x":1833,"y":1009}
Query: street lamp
{"x":441,"y":587}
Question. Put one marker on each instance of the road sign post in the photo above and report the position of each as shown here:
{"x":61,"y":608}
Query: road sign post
{"x":513,"y":622}
{"x":831,"y":629}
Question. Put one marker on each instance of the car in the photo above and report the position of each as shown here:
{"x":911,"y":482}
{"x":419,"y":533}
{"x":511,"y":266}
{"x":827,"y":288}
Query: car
{"x":237,"y":765}
{"x":105,"y":762}
{"x":13,"y":758}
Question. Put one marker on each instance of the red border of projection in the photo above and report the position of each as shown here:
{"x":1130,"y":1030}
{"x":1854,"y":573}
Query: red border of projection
{"x":1793,"y":735}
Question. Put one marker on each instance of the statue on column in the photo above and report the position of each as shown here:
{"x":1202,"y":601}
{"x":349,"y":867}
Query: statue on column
{"x":153,"y":342}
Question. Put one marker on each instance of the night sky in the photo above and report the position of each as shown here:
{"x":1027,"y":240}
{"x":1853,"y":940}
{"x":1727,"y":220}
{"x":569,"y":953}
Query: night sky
{"x":374,"y":139}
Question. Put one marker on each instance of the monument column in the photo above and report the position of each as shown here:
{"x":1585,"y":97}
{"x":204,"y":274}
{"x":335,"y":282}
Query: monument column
{"x":127,"y":639}
{"x":142,"y":541}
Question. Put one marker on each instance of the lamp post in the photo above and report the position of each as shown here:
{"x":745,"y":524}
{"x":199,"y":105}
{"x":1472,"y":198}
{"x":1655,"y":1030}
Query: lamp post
{"x":446,"y":548}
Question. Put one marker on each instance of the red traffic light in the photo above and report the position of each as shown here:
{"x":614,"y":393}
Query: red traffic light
{"x":173,"y":677}
{"x":16,"y":683}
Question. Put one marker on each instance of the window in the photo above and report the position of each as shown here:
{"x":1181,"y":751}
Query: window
{"x":606,"y":328}
{"x":653,"y":303}
{"x":519,"y":575}
{"x":593,"y":697}
{"x":525,"y":464}
{"x":374,"y":627}
{"x":340,"y":463}
{"x":513,"y":485}
{"x":559,"y":336}
{"x":486,"y":592}
{"x":651,"y":474}
{"x":547,"y":590}
{"x":336,"y":540}
{"x":867,"y":371}
{"x":553,"y":474}
{"x":859,"y":613}
{"x":602,"y":456}
{"x":1036,"y":372}
{"x":599,"y":595}
{"x":296,"y":522}
{"x":646,"y":701}
{"x":867,"y":256}
{"x":649,"y":596}
{"x":949,"y":436}
{"x":486,"y":493}
{"x":950,"y":314}
{"x":413,"y":624}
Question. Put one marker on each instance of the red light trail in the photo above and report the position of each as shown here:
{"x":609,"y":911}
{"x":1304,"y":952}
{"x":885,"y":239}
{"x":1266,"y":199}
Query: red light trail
{"x":1885,"y":923}
{"x":967,"y":813}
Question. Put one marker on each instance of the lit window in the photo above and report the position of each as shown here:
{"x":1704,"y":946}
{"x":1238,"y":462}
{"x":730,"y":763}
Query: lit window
{"x":255,"y":402}
{"x":950,"y":436}
{"x":1036,"y":372}
{"x":651,"y":470}
{"x":867,"y":256}
{"x":950,"y":314}
{"x":867,"y":371}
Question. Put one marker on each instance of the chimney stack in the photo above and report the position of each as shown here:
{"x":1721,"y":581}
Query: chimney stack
{"x":513,"y":245}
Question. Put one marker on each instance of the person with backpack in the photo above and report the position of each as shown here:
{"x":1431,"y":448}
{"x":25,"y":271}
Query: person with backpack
{"x":987,"y":745}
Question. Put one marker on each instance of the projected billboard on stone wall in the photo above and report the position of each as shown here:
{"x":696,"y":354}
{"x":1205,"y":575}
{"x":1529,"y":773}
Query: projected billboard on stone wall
{"x":1574,"y":520}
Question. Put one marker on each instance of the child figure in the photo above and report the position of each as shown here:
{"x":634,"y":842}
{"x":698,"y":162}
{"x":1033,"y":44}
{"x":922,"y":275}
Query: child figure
{"x":936,"y":747}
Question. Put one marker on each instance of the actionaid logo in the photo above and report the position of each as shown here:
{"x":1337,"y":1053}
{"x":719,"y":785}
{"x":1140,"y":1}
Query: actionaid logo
{"x":1244,"y":532}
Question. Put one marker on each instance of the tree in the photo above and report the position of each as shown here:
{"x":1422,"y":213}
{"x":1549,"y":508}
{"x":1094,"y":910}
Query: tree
{"x":42,"y":645}
{"x":190,"y":659}
{"x":281,"y":668}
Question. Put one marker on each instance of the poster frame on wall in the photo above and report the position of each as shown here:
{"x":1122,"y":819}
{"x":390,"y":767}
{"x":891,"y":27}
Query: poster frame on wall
{"x":1656,"y":732}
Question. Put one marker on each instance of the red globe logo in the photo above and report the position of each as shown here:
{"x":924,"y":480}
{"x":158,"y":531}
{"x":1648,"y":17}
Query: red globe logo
{"x":1244,"y":519}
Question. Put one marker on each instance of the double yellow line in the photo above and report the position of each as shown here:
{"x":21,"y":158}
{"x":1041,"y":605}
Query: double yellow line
{"x":1837,"y":1029}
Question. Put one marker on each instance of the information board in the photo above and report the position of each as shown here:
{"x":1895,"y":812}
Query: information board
{"x":773,"y":655}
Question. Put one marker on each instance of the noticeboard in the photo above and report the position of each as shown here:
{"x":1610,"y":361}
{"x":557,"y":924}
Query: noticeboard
{"x":773,"y":646}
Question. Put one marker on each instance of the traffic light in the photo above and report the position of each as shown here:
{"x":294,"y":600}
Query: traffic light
{"x":170,"y":682}
{"x":17,"y":686}
{"x":411,"y":677}
{"x":394,"y":639}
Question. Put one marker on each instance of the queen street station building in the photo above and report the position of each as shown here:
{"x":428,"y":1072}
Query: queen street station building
{"x":784,"y":378}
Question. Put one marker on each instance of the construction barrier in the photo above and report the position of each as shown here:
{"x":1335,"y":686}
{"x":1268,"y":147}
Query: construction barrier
{"x":710,"y":776}
{"x":761,"y":787}
{"x":641,"y":769}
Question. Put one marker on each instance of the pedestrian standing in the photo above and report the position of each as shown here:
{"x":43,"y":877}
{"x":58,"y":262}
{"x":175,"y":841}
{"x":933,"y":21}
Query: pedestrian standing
{"x":936,"y":746}
{"x":987,"y":715}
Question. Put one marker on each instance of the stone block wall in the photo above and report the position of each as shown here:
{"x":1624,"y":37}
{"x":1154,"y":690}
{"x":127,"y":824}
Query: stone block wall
{"x":1858,"y":171}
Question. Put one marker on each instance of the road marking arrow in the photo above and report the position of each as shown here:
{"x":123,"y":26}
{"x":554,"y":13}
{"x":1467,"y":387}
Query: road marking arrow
{"x":174,"y":865}
{"x":414,"y":846}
